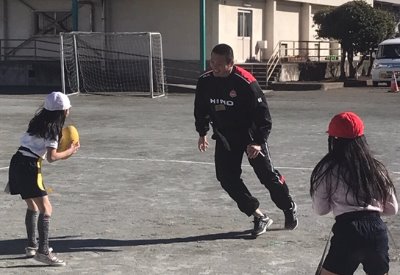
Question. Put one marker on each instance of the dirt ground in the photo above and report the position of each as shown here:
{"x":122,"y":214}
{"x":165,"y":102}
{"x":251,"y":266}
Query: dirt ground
{"x":139,"y":198}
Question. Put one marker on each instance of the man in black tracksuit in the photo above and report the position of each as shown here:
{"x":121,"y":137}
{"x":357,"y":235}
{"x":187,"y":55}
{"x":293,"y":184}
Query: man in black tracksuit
{"x":231,"y":100}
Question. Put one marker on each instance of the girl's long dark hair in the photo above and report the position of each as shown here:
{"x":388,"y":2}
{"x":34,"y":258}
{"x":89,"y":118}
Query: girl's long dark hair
{"x":351,"y":162}
{"x":47,"y":124}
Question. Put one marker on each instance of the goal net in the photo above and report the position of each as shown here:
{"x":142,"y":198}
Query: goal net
{"x":94,"y":62}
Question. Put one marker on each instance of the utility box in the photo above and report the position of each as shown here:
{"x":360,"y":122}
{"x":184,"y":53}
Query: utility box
{"x":261,"y":49}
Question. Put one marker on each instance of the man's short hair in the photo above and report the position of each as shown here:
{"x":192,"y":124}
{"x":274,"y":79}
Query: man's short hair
{"x":225,"y":50}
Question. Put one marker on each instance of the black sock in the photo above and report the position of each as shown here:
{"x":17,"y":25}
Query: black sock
{"x":31,"y":219}
{"x":43,"y":228}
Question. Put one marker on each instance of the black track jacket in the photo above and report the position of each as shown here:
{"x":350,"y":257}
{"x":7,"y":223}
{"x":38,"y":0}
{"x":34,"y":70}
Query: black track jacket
{"x":234,"y":105}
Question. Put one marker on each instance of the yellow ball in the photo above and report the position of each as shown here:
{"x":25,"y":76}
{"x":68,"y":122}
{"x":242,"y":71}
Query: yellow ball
{"x":69,"y":135}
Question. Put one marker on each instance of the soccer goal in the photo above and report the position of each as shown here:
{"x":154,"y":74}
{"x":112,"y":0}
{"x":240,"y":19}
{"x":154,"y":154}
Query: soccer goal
{"x":93,"y":62}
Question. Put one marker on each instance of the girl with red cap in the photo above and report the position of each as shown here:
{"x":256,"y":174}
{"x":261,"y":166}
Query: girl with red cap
{"x":357,"y":188}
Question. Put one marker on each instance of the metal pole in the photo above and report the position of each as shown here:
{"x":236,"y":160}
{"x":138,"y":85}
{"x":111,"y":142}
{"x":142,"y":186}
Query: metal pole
{"x":319,"y":51}
{"x":162,"y":68}
{"x":62,"y":62}
{"x":78,"y":90}
{"x":151,"y":67}
{"x":74,"y":11}
{"x":203,"y":35}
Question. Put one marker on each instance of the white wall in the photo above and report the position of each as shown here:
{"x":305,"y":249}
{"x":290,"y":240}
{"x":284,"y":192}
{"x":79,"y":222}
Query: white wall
{"x":176,"y":20}
{"x":324,"y":46}
{"x":228,"y":24}
{"x":21,"y":16}
{"x":325,"y":2}
{"x":20,"y":20}
{"x":287,"y":21}
{"x":227,"y":28}
{"x":178,"y":23}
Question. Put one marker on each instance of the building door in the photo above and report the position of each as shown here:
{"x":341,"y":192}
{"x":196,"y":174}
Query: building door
{"x":244,"y":33}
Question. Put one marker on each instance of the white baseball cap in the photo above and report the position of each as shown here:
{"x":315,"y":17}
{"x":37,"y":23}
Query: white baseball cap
{"x":57,"y":101}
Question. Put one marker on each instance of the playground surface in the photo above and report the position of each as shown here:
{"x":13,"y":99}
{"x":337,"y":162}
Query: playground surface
{"x":138,"y":197}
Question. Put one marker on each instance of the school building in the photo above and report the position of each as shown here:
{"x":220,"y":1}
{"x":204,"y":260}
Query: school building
{"x":254,"y":28}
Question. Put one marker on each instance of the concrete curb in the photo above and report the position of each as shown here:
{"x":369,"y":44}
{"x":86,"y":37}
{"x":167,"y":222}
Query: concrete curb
{"x":305,"y":86}
{"x":283,"y":86}
{"x":184,"y":88}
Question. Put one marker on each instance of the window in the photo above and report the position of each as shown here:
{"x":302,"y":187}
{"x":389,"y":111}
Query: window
{"x":52,"y":22}
{"x":389,"y":51}
{"x":244,"y":23}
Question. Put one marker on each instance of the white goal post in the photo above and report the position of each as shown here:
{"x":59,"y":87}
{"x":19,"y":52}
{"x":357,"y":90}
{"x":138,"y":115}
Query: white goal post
{"x":119,"y":62}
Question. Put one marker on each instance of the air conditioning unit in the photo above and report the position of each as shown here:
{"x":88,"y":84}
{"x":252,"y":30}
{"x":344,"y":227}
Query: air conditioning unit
{"x":261,"y":49}
{"x":262,"y":44}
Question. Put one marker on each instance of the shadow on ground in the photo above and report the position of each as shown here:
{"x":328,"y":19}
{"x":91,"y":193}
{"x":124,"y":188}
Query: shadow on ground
{"x":71,"y":244}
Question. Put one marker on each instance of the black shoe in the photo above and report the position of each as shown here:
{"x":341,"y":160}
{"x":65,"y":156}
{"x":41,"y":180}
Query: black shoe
{"x":260,"y":225}
{"x":291,"y":221}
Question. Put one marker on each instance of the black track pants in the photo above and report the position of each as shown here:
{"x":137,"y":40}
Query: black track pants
{"x":228,"y":169}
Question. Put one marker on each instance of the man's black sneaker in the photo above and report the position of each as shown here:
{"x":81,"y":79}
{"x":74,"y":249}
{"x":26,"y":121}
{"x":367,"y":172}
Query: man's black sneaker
{"x":291,"y":221}
{"x":260,"y":225}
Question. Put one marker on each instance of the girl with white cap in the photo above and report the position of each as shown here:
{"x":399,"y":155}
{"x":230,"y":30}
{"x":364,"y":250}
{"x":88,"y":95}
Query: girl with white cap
{"x":40,"y":141}
{"x":357,"y":188}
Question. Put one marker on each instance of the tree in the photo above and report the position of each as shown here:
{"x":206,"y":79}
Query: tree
{"x":357,"y":26}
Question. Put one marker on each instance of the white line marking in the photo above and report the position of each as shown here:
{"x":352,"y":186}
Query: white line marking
{"x":190,"y":162}
{"x":151,"y":160}
{"x":183,"y":161}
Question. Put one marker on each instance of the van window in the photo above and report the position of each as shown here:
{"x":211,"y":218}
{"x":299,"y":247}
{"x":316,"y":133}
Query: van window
{"x":388,"y":51}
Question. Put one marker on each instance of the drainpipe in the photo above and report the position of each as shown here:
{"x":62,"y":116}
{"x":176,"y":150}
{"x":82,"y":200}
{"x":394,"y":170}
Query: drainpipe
{"x":103,"y":15}
{"x":5,"y":27}
{"x":74,"y":11}
{"x":203,"y":35}
{"x":92,"y":10}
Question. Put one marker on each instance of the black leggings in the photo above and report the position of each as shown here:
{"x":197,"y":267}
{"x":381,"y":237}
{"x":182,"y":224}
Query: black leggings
{"x":228,"y":169}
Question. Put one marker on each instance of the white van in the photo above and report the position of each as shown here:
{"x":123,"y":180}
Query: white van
{"x":386,"y":62}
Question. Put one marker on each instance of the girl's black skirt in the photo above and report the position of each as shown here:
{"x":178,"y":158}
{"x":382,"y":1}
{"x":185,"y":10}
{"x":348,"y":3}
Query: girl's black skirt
{"x":25,"y":176}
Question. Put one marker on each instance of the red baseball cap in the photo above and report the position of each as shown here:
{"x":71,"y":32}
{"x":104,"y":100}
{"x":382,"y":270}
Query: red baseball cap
{"x":346,"y":125}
